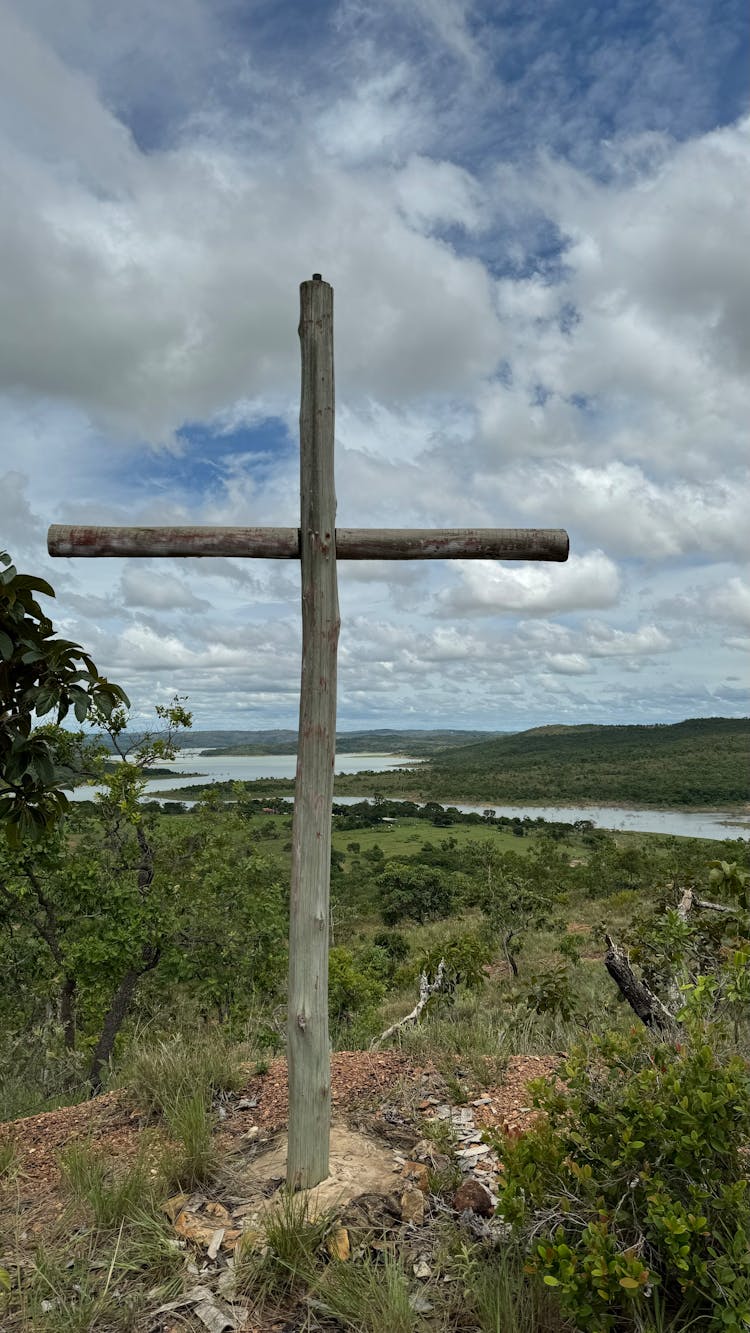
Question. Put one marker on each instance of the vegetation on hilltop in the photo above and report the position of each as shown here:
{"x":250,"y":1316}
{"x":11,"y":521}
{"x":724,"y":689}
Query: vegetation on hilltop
{"x":284,"y":741}
{"x":699,"y":762}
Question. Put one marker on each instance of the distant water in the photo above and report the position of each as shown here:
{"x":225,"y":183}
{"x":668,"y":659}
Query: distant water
{"x":680,"y":823}
{"x":246,"y":768}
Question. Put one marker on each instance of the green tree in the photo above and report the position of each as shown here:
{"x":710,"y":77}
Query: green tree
{"x":516,"y":893}
{"x":90,"y":892}
{"x":409,"y":890}
{"x":40,"y":674}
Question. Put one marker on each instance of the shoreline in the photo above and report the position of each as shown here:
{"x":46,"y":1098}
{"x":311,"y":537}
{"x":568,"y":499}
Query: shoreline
{"x":741,"y":813}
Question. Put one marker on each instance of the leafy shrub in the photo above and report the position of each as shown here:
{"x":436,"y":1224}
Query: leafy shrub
{"x":351,"y":989}
{"x":408,"y":890}
{"x":394,"y":943}
{"x":553,"y":993}
{"x":633,"y":1186}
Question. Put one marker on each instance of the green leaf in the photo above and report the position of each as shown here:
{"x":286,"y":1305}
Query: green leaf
{"x":550,"y":1281}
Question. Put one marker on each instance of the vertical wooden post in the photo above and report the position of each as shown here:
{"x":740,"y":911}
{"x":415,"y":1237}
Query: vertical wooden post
{"x":308,"y":1054}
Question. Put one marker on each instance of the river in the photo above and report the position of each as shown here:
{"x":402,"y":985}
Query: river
{"x":244,"y":768}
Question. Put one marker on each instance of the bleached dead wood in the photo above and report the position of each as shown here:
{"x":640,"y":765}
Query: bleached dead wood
{"x":426,"y":990}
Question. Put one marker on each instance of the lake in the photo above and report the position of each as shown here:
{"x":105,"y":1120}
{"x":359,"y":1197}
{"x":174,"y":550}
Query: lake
{"x":248,"y":768}
{"x":245,"y":768}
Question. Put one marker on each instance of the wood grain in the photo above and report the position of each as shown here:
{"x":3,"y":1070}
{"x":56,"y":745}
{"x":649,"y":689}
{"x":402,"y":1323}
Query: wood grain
{"x":284,"y":543}
{"x":308,"y":1054}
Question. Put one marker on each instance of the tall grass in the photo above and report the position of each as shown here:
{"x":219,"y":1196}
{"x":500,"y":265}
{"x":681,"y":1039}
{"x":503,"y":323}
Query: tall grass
{"x":166,"y":1072}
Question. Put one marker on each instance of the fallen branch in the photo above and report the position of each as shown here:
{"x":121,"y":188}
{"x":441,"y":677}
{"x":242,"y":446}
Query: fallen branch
{"x":426,"y":991}
{"x":639,"y":996}
{"x":689,"y":900}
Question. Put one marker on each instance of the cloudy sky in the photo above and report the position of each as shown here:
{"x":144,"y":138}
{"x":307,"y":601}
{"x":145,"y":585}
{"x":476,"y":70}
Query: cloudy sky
{"x":535,"y":219}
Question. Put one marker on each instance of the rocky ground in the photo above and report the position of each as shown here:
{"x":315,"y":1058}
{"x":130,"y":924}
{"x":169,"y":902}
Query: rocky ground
{"x":402,"y":1153}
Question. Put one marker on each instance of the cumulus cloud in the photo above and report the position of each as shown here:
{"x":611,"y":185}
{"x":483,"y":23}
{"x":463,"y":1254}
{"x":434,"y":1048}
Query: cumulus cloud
{"x":487,"y":588}
{"x":606,"y":641}
{"x":539,"y":320}
{"x":159,"y":591}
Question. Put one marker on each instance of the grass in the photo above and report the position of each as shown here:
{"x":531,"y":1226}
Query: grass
{"x":194,"y":1158}
{"x":500,"y":1295}
{"x":8,"y":1160}
{"x":110,"y":1197}
{"x":288,"y":1260}
{"x":101,"y":1276}
{"x":165,"y":1073}
{"x":367,"y":1297}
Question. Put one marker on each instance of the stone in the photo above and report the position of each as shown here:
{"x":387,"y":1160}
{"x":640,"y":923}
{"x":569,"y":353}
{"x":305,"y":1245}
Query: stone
{"x":216,"y":1242}
{"x":418,"y":1174}
{"x":174,"y":1206}
{"x":339,"y":1245}
{"x":412,"y":1207}
{"x":192,"y":1227}
{"x":473,"y":1197}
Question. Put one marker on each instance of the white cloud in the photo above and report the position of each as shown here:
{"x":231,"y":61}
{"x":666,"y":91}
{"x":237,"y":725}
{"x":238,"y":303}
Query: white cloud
{"x":159,"y":591}
{"x":155,"y":229}
{"x":635,"y":515}
{"x":487,"y":588}
{"x":605,"y":641}
{"x":567,"y":664}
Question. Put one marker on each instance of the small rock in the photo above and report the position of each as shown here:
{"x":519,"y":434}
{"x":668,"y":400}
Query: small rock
{"x":422,"y":1151}
{"x":412,"y":1207}
{"x":339,"y":1245}
{"x":419,"y":1303}
{"x":422,"y":1269}
{"x":251,"y":1135}
{"x":473,"y":1197}
{"x":418,"y":1174}
{"x":216,"y":1242}
{"x":192,"y":1227}
{"x":247,"y":1103}
{"x":174,"y":1206}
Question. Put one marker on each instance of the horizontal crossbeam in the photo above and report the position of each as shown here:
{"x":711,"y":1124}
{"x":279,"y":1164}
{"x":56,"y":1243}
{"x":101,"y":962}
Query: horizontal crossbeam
{"x":284,"y":543}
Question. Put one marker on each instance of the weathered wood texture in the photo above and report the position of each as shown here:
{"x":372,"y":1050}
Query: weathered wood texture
{"x":308,"y":1054}
{"x":284,"y":543}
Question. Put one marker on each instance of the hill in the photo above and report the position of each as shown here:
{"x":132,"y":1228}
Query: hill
{"x":284,"y":741}
{"x":699,"y":762}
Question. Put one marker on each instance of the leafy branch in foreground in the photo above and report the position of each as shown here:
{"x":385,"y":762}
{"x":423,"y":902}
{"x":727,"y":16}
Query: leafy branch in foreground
{"x":39,"y":674}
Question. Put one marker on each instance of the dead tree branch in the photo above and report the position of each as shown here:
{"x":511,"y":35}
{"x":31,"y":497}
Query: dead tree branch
{"x":639,"y":996}
{"x":426,"y":990}
{"x":650,"y":1009}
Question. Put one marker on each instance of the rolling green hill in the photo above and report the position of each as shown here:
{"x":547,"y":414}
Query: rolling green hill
{"x":699,"y":762}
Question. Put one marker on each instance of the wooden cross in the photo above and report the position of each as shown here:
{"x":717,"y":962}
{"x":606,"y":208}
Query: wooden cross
{"x":317,"y":544}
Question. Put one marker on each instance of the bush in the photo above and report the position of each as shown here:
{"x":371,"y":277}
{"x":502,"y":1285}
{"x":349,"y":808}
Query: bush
{"x":634,"y":1185}
{"x":410,"y":890}
{"x":352,"y":988}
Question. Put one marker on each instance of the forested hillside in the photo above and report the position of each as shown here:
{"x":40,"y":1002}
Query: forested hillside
{"x":702,"y":761}
{"x":386,"y":740}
